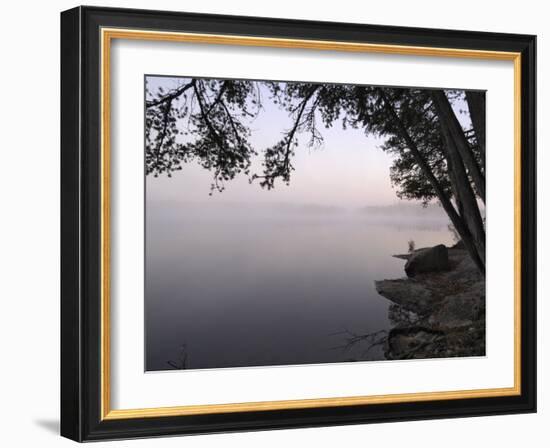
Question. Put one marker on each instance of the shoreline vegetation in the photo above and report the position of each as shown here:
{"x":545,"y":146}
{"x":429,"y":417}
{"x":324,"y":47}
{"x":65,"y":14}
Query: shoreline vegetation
{"x":438,"y":310}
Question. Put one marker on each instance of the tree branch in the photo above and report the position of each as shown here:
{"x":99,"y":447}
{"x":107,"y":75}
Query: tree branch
{"x":170,"y":96}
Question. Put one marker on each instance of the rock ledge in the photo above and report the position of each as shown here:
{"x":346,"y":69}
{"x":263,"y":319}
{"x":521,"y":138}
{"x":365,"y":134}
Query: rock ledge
{"x":438,"y":312}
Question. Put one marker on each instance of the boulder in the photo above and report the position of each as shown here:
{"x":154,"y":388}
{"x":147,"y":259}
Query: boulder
{"x":430,"y":259}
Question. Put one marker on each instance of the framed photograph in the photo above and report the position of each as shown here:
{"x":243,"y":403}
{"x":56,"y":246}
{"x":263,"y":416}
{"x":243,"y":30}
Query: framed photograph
{"x":272,"y":223}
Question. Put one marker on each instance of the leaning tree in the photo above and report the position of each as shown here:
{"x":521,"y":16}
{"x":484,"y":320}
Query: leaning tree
{"x":434,"y":158}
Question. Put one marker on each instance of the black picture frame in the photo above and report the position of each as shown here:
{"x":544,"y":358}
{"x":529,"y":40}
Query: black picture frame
{"x":81,"y":414}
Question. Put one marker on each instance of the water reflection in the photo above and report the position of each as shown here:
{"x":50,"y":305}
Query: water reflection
{"x":246,"y":287}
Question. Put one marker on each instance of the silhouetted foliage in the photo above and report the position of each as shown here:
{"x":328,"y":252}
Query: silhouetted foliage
{"x":208,"y":121}
{"x":213,"y":114}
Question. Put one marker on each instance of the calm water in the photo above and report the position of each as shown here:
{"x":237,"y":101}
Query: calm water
{"x":239,"y":286}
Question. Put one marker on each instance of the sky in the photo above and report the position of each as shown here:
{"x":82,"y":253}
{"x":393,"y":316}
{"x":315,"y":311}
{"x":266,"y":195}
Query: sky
{"x":349,"y":170}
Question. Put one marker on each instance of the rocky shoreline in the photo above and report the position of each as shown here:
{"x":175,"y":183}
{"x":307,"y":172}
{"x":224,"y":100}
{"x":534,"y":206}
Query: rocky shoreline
{"x":438,"y":311}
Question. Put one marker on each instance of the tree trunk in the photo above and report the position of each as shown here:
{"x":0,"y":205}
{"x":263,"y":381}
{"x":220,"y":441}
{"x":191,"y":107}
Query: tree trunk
{"x":450,"y":123}
{"x":446,"y":203}
{"x":458,"y":202}
{"x":465,"y":195}
{"x":476,"y":106}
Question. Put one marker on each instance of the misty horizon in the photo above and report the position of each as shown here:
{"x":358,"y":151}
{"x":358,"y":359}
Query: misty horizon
{"x":401,"y":208}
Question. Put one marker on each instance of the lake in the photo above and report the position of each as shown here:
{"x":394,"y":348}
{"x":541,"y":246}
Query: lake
{"x":238,"y":286}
